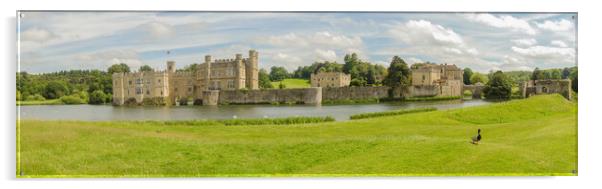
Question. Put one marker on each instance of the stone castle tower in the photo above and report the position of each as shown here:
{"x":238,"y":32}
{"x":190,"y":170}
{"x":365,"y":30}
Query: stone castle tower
{"x":252,"y":70}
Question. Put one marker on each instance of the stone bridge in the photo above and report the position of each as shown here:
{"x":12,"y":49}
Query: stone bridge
{"x":476,"y":89}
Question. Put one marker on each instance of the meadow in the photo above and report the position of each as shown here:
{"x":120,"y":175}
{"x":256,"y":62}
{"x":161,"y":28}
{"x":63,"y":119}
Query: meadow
{"x":293,"y":83}
{"x":534,"y":136}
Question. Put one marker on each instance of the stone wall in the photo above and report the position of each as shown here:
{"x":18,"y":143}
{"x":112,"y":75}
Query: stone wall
{"x":268,"y":96}
{"x":354,"y":93}
{"x":424,"y":90}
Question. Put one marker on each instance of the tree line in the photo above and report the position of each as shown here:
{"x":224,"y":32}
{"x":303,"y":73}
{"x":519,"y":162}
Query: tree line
{"x":95,"y":86}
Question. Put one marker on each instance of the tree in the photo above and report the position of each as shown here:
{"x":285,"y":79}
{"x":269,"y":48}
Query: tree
{"x":398,"y":73}
{"x":281,"y":85}
{"x":97,"y":97}
{"x":566,"y":72}
{"x":55,"y":89}
{"x":556,"y":74}
{"x":278,"y":73}
{"x":573,"y":78}
{"x":537,"y":74}
{"x":264,"y":79}
{"x":118,"y":68}
{"x":145,"y":68}
{"x":466,"y":77}
{"x":478,"y":78}
{"x":499,"y":87}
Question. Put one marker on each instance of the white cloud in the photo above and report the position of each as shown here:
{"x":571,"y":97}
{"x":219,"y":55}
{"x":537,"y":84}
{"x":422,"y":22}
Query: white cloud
{"x":325,"y":55}
{"x":545,"y":51}
{"x":426,"y":33}
{"x":158,"y":29}
{"x":318,"y":39}
{"x":558,"y":43}
{"x":503,"y":21}
{"x":430,"y":38}
{"x":37,"y":35}
{"x":560,"y":25}
{"x":413,"y":60}
{"x":525,"y":42}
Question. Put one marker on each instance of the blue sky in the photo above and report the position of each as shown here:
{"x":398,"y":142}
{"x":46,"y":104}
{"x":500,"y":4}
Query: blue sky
{"x":53,"y":41}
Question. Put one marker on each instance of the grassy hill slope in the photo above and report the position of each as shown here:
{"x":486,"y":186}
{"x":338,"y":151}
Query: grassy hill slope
{"x":535,"y":136}
{"x":293,"y":83}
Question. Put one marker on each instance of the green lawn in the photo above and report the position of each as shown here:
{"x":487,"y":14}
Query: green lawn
{"x":535,"y":136}
{"x":293,"y":83}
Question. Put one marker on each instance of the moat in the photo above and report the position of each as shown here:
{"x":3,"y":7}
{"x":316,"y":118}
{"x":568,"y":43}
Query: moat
{"x":108,"y":112}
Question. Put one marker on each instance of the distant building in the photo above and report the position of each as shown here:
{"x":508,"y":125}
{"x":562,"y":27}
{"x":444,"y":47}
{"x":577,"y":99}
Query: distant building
{"x":330,"y":79}
{"x":174,"y":86}
{"x":437,"y":80}
{"x":547,"y":86}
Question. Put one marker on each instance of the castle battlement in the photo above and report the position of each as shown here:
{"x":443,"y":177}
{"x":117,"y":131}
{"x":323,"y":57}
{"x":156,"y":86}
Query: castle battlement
{"x":172,"y":85}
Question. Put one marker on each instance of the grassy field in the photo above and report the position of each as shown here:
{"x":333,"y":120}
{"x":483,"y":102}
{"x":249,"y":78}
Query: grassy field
{"x":293,"y":83}
{"x":535,"y":136}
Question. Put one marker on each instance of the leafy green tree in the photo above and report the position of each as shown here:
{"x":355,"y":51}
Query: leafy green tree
{"x":145,"y":68}
{"x":18,"y":96}
{"x":574,"y":76}
{"x":556,"y":74}
{"x":478,"y":78}
{"x":358,"y":82}
{"x":281,"y":85}
{"x":190,"y":68}
{"x":264,"y":79}
{"x":118,"y":68}
{"x":398,"y":73}
{"x":466,"y":77}
{"x":97,"y":97}
{"x":499,"y":87}
{"x":55,"y":89}
{"x":278,"y":73}
{"x":566,"y":72}
{"x":537,"y":74}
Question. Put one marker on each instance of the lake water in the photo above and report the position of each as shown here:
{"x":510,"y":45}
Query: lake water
{"x":108,"y":112}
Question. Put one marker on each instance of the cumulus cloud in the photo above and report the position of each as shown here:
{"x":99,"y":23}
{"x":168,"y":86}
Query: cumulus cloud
{"x":317,"y":39}
{"x":503,"y":21}
{"x":558,"y":43}
{"x":545,"y":51}
{"x":424,"y":32}
{"x":37,"y":35}
{"x":157,"y":29}
{"x":525,"y":42}
{"x":560,"y":25}
{"x":431,"y":37}
{"x":325,"y":55}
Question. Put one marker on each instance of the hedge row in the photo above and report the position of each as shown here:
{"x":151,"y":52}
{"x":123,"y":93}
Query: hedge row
{"x":390,"y":113}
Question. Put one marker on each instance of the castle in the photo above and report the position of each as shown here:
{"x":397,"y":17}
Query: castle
{"x":180,"y":87}
{"x":437,"y":80}
{"x":330,"y":79}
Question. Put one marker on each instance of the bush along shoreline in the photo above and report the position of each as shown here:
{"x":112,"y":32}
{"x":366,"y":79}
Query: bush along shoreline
{"x":390,"y":113}
{"x":250,"y":121}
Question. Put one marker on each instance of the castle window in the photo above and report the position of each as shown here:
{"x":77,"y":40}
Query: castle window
{"x":175,"y":89}
{"x":189,"y":89}
{"x":147,"y":92}
{"x":230,"y":84}
{"x":159,"y":81}
{"x":130,"y":82}
{"x":138,"y":91}
{"x":161,"y":93}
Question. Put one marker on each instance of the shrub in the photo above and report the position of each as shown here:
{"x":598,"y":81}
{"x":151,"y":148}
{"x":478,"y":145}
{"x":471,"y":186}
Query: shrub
{"x":97,"y":97}
{"x":433,"y":98}
{"x":130,"y":102}
{"x":72,"y":99}
{"x":36,"y":97}
{"x":155,"y":101}
{"x":277,"y":121}
{"x":499,"y":87}
{"x":198,"y":102}
{"x":390,"y":113}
